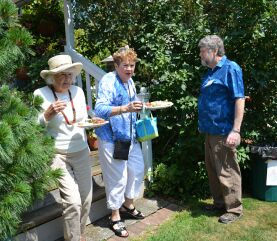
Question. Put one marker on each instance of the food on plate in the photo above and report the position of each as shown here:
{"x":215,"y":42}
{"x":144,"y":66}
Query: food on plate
{"x":96,"y":120}
{"x":158,"y":103}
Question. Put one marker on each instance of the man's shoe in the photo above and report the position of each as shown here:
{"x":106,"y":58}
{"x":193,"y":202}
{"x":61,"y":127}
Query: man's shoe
{"x":229,"y":217}
{"x":212,"y":208}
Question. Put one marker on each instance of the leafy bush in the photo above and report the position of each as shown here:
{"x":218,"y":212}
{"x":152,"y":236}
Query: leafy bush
{"x":45,"y":21}
{"x":250,"y":31}
{"x":165,"y":34}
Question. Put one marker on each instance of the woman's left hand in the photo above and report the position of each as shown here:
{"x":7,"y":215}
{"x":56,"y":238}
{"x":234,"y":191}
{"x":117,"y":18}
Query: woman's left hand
{"x":134,"y":106}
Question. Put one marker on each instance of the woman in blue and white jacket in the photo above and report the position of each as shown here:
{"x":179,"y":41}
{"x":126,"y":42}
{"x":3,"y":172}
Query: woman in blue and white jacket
{"x":117,"y":102}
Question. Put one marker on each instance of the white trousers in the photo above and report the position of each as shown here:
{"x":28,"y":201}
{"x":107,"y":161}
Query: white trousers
{"x":122,"y":178}
{"x":76,"y":191}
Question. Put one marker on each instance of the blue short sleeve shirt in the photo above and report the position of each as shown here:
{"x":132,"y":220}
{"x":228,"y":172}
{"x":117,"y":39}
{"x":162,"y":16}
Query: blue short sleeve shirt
{"x":216,"y":103}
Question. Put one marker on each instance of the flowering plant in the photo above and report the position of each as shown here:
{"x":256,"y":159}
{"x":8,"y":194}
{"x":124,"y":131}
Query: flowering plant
{"x":91,"y":133}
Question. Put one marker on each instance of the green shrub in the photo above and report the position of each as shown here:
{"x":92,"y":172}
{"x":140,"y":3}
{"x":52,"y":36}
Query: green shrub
{"x":45,"y":21}
{"x":165,"y":34}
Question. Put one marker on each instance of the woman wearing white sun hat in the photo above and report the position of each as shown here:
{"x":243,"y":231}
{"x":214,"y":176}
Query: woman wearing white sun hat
{"x":64,"y":105}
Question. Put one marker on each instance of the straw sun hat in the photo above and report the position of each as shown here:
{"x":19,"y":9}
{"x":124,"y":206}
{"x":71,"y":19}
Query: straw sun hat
{"x":61,"y":63}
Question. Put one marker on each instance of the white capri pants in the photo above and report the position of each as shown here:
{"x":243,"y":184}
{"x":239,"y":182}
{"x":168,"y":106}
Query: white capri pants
{"x":76,"y":191}
{"x":122,"y":178}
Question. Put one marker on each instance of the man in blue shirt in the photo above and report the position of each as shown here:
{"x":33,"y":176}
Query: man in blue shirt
{"x":220,"y":110}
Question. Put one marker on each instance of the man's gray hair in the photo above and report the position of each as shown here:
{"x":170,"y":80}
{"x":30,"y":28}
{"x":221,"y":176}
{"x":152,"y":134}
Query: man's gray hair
{"x":213,"y":42}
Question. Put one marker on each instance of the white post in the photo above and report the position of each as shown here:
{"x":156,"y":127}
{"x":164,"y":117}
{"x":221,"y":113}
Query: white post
{"x":68,"y":22}
{"x":147,"y":156}
{"x":79,"y":81}
{"x":146,"y":145}
{"x":88,"y":86}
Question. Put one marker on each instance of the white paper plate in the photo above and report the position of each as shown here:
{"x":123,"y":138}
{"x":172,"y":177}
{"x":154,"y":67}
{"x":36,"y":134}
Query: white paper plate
{"x":159,"y":105}
{"x":90,"y":125}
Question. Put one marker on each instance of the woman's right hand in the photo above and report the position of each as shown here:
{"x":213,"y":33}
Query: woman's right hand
{"x":54,"y":109}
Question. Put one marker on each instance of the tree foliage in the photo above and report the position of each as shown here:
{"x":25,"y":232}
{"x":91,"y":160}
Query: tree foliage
{"x":250,"y":31}
{"x":44,"y":19}
{"x":15,"y":41}
{"x":25,"y":151}
{"x":165,"y":33}
{"x":25,"y":157}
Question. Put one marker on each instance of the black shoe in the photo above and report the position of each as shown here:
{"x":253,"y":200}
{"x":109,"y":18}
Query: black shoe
{"x":229,"y":217}
{"x":130,"y":213}
{"x":212,"y":208}
{"x":119,"y":229}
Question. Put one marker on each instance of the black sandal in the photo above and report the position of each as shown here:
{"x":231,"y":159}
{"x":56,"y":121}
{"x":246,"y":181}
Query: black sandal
{"x":130,"y":213}
{"x":121,"y":228}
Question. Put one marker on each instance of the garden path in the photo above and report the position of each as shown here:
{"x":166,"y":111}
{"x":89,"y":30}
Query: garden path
{"x":157,"y":211}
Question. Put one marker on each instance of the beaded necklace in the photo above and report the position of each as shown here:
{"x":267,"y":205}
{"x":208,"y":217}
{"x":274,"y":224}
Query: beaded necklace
{"x":72,"y":106}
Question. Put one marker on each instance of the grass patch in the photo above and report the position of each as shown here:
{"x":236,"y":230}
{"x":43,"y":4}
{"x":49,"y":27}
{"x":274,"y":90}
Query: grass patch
{"x":259,"y":223}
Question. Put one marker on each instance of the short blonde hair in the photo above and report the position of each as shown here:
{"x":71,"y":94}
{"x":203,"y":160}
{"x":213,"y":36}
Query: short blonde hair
{"x":123,"y":54}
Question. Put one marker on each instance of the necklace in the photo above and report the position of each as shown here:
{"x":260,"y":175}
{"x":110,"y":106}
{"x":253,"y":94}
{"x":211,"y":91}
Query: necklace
{"x":72,"y":106}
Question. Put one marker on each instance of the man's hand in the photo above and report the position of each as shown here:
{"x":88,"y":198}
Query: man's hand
{"x":233,"y":139}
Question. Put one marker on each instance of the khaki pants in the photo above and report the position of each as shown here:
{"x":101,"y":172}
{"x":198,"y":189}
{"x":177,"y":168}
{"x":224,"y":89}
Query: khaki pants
{"x":224,"y":174}
{"x":76,"y":191}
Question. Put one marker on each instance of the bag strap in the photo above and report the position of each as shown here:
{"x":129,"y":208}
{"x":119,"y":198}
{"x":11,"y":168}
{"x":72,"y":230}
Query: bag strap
{"x":130,"y":99}
{"x":143,"y":113}
{"x":131,"y":119}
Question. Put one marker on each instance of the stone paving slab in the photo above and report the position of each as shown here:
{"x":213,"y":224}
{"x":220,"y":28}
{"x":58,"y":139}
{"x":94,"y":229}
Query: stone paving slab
{"x":156,"y":211}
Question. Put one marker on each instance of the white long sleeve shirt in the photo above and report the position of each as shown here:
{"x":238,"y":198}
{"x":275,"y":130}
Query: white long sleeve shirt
{"x":68,"y":138}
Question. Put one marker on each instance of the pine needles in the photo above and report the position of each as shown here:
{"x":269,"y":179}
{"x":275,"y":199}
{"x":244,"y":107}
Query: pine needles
{"x":14,"y":41}
{"x":25,"y":157}
{"x":26,"y":152}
